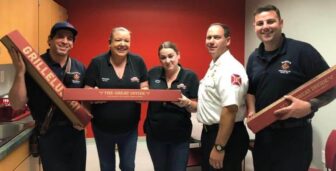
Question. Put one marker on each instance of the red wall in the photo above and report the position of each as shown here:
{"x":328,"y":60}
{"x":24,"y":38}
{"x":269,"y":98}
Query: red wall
{"x":151,"y":22}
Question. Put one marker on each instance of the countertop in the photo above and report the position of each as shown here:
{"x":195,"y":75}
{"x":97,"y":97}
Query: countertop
{"x":11,"y":145}
{"x":19,"y":139}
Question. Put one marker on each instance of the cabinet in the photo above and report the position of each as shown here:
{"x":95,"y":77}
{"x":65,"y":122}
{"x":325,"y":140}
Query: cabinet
{"x":33,"y":18}
{"x":21,"y":15}
{"x":20,"y":160}
{"x":30,"y":164}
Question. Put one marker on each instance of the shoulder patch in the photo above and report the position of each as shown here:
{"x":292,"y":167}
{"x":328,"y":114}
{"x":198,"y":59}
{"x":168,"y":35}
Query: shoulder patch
{"x":236,"y":79}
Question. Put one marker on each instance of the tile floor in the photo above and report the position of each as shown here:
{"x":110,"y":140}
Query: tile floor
{"x":142,"y":161}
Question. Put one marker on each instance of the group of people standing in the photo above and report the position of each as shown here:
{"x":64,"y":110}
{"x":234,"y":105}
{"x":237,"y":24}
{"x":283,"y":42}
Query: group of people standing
{"x":222,"y":99}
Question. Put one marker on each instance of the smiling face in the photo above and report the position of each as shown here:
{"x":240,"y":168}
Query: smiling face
{"x":61,"y":43}
{"x":216,"y":42}
{"x":120,"y":43}
{"x":268,"y":27}
{"x":169,"y":59}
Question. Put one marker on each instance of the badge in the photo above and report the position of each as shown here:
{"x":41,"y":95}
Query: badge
{"x":235,"y":79}
{"x":76,"y":76}
{"x":285,"y":67}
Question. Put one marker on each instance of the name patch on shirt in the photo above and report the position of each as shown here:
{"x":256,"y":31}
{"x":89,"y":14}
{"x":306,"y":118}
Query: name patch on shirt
{"x":135,"y":79}
{"x":181,"y":86}
{"x":105,"y":79}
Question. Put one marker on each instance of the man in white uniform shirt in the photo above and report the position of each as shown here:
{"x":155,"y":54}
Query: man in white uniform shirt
{"x":221,"y":105}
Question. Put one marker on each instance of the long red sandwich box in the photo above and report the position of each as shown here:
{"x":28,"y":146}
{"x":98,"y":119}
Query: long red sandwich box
{"x":313,"y":88}
{"x":120,"y":94}
{"x":46,"y":78}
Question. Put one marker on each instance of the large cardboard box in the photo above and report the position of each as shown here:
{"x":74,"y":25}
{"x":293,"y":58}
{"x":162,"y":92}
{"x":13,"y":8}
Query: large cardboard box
{"x":120,"y":94}
{"x":46,"y":78}
{"x":313,"y":88}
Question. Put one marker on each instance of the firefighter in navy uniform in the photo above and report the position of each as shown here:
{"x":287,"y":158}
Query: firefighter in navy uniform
{"x":61,"y":145}
{"x":278,"y":66}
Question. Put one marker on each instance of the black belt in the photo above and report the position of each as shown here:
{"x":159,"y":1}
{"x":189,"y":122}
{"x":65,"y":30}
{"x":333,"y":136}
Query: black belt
{"x":52,"y":124}
{"x":56,"y":123}
{"x":292,"y":124}
{"x":214,"y":127}
{"x":208,"y":128}
{"x":61,"y":123}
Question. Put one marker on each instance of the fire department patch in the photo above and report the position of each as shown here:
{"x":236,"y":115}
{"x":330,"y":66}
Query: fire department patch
{"x":236,"y":79}
{"x":76,"y":76}
{"x":285,"y":67}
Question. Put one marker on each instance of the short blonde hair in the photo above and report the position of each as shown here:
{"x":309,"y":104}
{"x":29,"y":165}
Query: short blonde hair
{"x":115,"y":29}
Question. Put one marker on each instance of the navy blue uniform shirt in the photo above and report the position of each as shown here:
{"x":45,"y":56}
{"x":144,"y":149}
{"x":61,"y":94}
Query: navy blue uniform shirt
{"x":166,"y":121}
{"x":274,"y":74}
{"x":38,"y":101}
{"x":116,"y":116}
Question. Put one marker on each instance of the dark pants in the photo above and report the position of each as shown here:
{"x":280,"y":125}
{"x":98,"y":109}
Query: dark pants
{"x":63,"y":148}
{"x":288,"y":149}
{"x":106,"y":142}
{"x":236,"y":148}
{"x":168,"y":156}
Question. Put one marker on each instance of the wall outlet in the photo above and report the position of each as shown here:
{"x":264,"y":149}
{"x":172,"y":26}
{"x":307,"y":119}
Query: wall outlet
{"x":323,"y":156}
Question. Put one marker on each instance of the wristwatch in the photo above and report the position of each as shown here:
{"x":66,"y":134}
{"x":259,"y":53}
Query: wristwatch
{"x":313,"y":105}
{"x":219,"y":147}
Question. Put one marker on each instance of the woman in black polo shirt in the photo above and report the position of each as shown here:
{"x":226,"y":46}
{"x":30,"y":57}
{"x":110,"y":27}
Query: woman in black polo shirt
{"x":168,"y":126}
{"x":116,"y":122}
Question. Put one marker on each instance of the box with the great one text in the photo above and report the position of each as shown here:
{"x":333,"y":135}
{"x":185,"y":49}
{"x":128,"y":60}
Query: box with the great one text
{"x":120,"y":94}
{"x":313,"y":88}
